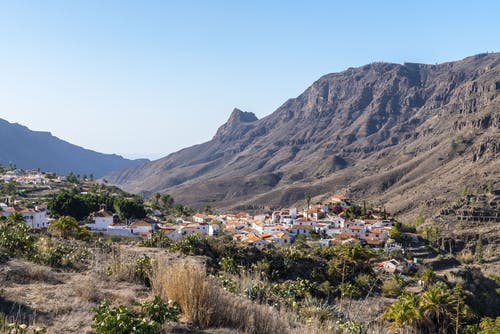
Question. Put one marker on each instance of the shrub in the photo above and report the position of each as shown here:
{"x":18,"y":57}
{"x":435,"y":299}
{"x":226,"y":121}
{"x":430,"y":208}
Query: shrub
{"x":466,"y":257}
{"x":17,"y":240}
{"x":228,"y":265}
{"x":143,"y":269}
{"x":67,"y":226}
{"x":57,"y":255}
{"x":158,"y":239}
{"x":160,"y":311}
{"x":363,"y":281}
{"x":205,"y":304}
{"x":391,"y":288}
{"x":128,"y":266}
{"x":120,"y":320}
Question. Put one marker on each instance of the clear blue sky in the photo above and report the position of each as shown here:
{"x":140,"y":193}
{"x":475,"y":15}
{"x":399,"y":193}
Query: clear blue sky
{"x":146,"y":78}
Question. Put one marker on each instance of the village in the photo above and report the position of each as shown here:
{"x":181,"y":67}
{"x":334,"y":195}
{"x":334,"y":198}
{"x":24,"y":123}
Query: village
{"x":33,"y":177}
{"x":334,"y":220}
{"x":327,"y":223}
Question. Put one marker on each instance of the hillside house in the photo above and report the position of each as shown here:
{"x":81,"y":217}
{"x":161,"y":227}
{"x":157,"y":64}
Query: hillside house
{"x":302,"y":229}
{"x":119,"y":229}
{"x":201,"y":218}
{"x":143,"y":226}
{"x":101,"y":220}
{"x":34,"y":218}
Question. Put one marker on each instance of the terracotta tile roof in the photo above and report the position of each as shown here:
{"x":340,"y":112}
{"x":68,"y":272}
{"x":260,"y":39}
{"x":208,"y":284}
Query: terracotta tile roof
{"x":303,"y":227}
{"x":103,"y":214}
{"x":139,"y":223}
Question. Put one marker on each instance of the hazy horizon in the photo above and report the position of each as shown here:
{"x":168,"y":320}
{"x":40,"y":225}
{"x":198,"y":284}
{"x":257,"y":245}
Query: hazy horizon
{"x":147,"y":79}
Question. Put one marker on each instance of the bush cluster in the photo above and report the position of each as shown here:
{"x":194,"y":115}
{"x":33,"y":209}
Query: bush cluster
{"x":110,"y":319}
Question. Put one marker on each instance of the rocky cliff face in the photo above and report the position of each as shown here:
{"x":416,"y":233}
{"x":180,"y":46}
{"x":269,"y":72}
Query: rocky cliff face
{"x":397,"y":134}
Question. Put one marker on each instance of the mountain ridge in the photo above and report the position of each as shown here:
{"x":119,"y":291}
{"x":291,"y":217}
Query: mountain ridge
{"x":30,"y":149}
{"x":335,"y":136}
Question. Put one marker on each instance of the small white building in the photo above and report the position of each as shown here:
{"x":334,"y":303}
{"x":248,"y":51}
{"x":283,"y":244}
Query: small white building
{"x":302,"y":229}
{"x":282,"y":238}
{"x":213,"y":229}
{"x":36,"y":219}
{"x":119,"y":229}
{"x":102,"y":219}
{"x":201,"y":218}
{"x":142,"y":227}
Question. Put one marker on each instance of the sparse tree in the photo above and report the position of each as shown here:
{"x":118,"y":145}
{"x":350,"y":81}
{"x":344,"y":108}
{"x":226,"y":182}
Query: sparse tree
{"x":66,"y":226}
{"x":479,"y":250}
{"x":167,"y":201}
{"x":308,"y":201}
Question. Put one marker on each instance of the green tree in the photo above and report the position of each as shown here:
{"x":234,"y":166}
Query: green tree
{"x":208,"y":210}
{"x":127,"y":209}
{"x":167,"y":201}
{"x":69,"y":204}
{"x":479,"y":250}
{"x":157,"y":197}
{"x":15,"y":218}
{"x":403,"y":312}
{"x":489,"y":325}
{"x":67,"y":226}
{"x":395,"y":234}
{"x":428,"y":276}
{"x":308,"y":201}
{"x":72,"y":178}
{"x":438,"y":306}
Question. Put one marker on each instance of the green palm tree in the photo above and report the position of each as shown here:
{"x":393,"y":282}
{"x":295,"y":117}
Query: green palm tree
{"x":157,"y":197}
{"x":404,"y":312}
{"x":308,"y":201}
{"x":436,"y":306}
{"x":428,"y":276}
{"x":65,"y":226}
{"x":15,"y":218}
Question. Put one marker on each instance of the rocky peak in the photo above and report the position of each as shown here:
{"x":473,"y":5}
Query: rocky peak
{"x":238,"y":123}
{"x":241,"y":116}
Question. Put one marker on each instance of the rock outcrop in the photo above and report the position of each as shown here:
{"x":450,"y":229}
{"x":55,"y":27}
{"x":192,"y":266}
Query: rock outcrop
{"x":396,"y":134}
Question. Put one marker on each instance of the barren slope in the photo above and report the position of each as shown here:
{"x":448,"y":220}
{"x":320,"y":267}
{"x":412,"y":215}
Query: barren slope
{"x":396,"y":134}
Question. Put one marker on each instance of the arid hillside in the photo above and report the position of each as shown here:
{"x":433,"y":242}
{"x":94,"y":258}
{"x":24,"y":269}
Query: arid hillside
{"x":410,"y":137}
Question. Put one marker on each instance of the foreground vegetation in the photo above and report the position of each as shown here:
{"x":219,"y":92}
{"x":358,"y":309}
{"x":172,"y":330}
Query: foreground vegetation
{"x":200,"y":283}
{"x":219,"y":283}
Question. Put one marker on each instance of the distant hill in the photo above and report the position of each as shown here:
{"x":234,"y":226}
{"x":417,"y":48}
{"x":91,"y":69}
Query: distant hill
{"x":34,"y":149}
{"x":409,"y":136}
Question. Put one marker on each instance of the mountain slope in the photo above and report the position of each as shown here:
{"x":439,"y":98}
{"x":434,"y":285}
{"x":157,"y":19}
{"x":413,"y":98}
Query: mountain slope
{"x":396,"y":134}
{"x":33,"y":149}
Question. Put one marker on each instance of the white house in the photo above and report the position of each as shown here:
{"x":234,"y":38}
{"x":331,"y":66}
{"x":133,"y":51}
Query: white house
{"x":201,"y":218}
{"x":102,"y":219}
{"x":302,"y":229}
{"x":36,"y":219}
{"x":191,"y":228}
{"x":142,"y":227}
{"x":282,"y":238}
{"x":119,"y":229}
{"x":213,"y":229}
{"x":356,"y":230}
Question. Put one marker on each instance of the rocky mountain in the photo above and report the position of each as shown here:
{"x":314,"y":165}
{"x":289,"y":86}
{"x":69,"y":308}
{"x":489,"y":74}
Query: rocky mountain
{"x":409,"y":137}
{"x":29,"y":149}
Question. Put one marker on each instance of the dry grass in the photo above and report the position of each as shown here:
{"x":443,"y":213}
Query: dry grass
{"x":20,"y":273}
{"x":466,"y":257}
{"x":61,"y":301}
{"x":206,"y":305}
